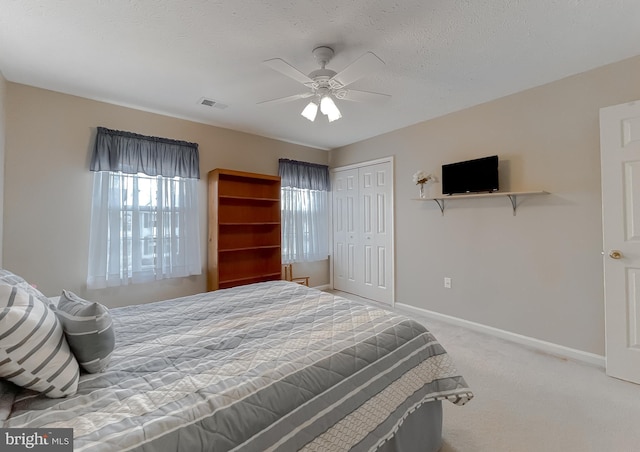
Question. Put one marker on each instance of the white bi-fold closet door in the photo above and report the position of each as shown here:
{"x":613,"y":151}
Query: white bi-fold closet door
{"x":363,"y":230}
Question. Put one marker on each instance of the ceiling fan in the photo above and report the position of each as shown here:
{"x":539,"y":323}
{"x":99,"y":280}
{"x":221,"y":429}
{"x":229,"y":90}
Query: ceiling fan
{"x":326,"y":85}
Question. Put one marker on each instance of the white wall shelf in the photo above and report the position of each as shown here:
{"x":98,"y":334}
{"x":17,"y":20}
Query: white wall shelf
{"x":512,"y":195}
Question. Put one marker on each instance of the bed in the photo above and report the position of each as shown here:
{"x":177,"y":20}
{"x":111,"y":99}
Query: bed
{"x":267,"y":366}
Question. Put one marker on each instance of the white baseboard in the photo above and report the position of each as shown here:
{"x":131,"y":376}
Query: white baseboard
{"x":547,"y":347}
{"x":323,"y":287}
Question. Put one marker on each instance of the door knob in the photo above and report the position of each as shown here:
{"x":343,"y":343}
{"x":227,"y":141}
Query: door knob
{"x":615,"y":254}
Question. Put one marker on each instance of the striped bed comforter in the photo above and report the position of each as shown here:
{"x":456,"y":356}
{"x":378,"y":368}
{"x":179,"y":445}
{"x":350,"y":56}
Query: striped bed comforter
{"x":268,"y":366}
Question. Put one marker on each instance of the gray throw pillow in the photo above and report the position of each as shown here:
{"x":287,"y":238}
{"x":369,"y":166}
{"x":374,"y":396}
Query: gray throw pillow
{"x":89,"y":331}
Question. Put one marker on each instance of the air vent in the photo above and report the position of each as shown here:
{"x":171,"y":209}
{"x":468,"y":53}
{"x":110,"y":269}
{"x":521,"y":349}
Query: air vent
{"x":211,"y":103}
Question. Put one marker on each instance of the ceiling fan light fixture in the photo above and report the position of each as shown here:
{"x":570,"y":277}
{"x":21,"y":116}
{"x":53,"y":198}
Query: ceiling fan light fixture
{"x":328,"y":107}
{"x":333,"y":115}
{"x":310,"y":111}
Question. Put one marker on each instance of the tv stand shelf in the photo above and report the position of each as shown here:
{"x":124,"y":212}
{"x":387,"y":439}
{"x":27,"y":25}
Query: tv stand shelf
{"x":512,"y":195}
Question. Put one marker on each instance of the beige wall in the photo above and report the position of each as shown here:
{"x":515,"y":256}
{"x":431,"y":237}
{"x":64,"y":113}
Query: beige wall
{"x":48,"y":186}
{"x":3,"y":91}
{"x":539,"y":273}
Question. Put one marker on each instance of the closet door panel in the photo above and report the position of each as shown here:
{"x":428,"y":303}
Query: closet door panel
{"x":363,"y":216}
{"x":345,"y":218}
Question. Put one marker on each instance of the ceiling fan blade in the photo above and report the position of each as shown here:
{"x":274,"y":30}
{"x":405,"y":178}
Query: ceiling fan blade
{"x":364,"y":96}
{"x":359,"y":68}
{"x":278,"y":64}
{"x":282,"y":100}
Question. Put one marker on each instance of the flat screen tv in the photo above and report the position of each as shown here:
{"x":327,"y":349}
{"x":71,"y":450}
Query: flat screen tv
{"x":471,"y":176}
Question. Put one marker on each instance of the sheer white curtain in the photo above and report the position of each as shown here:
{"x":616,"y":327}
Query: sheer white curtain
{"x":305,"y":211}
{"x":305,"y":228}
{"x":143,"y":227}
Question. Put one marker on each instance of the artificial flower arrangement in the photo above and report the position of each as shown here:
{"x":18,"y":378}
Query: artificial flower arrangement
{"x":422,"y":178}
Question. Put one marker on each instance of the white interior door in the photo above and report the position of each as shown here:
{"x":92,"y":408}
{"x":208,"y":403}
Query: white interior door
{"x":363,"y":231}
{"x":620,"y":155}
{"x":345,"y":217}
{"x":375,"y":231}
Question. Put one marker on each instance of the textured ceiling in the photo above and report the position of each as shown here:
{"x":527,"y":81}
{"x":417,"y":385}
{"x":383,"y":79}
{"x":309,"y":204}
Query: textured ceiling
{"x":441,"y":55}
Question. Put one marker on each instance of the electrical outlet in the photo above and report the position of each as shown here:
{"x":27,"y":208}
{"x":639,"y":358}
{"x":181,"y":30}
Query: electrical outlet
{"x":447,"y":283}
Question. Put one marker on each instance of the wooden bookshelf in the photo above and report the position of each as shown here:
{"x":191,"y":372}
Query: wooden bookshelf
{"x":244,"y":228}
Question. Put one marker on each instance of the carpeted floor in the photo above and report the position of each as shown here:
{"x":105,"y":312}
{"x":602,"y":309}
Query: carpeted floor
{"x":527,"y":401}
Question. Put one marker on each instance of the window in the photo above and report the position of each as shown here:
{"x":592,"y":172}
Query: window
{"x":305,"y":211}
{"x":143,"y":227}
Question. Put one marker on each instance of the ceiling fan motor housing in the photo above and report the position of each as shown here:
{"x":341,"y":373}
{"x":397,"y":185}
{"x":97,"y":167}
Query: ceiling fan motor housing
{"x":322,"y":74}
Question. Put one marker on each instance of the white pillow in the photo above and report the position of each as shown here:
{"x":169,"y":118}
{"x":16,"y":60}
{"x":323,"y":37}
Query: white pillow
{"x":34,"y":353}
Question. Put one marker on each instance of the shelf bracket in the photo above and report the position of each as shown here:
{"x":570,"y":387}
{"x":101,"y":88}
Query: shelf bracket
{"x":514,"y":203}
{"x":440,"y":203}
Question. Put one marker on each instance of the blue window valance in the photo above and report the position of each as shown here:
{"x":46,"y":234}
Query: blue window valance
{"x":132,"y":153}
{"x":304,"y":175}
